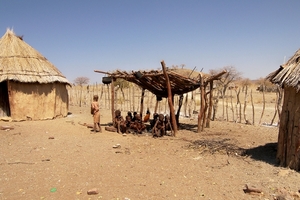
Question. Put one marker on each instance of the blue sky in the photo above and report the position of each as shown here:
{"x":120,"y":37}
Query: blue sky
{"x":78,"y":37}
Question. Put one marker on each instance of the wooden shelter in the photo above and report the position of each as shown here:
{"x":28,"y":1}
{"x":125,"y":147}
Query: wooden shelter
{"x":31,"y":88}
{"x":167,"y":83}
{"x":155,"y":81}
{"x":288,"y":77}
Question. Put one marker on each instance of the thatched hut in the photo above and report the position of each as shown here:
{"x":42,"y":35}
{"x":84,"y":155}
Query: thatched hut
{"x":31,"y":88}
{"x":288,"y":77}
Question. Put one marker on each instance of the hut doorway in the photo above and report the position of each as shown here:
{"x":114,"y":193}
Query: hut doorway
{"x":4,"y":103}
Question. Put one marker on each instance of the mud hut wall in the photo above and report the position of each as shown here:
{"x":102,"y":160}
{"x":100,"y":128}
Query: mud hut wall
{"x":32,"y":101}
{"x":288,"y":152}
{"x":61,"y":105}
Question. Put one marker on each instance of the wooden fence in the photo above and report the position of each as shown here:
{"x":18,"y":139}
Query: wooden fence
{"x":248,"y":106}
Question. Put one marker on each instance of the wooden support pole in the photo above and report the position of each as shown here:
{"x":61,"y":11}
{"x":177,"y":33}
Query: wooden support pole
{"x":179,"y":108}
{"x":112,"y":99}
{"x":211,"y":84}
{"x":201,"y":112}
{"x":156,"y":106}
{"x":172,"y":111}
{"x":142,"y":102}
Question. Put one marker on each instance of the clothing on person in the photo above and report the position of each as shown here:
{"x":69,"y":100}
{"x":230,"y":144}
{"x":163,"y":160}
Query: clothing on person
{"x":147,"y":116}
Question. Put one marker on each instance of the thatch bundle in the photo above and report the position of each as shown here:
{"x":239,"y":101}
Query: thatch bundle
{"x":20,"y":62}
{"x":288,"y":74}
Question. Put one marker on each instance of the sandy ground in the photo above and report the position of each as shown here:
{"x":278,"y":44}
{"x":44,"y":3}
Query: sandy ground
{"x":61,"y":159}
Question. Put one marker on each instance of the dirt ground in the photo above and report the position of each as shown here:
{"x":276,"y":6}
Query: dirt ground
{"x":62,"y":159}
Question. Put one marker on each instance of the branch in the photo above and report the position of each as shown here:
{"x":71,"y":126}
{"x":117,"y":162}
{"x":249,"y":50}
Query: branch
{"x":217,"y":76}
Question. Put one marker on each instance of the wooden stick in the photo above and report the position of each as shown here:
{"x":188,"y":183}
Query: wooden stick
{"x":253,"y":110}
{"x":251,"y":190}
{"x":6,"y":127}
{"x":264,"y":105}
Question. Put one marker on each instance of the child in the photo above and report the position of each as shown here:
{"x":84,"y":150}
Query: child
{"x":95,"y":111}
{"x":119,"y":122}
{"x":138,"y":126}
{"x":159,"y":128}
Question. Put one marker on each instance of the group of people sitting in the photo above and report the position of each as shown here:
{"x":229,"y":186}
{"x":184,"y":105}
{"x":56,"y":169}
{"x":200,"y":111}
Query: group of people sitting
{"x":133,"y":123}
{"x":160,"y":125}
{"x":130,"y":123}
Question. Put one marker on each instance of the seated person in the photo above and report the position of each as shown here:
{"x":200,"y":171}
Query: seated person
{"x":159,"y":128}
{"x":119,"y":122}
{"x":168,"y":124}
{"x":153,"y":121}
{"x":128,"y":123}
{"x":129,"y":114}
{"x":134,"y":114}
{"x":138,"y":126}
{"x":147,"y":116}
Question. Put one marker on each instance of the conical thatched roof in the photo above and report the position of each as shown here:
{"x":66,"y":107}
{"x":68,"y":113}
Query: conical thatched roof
{"x":20,"y":62}
{"x":288,"y":74}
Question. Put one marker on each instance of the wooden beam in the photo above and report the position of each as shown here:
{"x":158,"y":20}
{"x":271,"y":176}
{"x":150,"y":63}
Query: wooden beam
{"x":215,"y":77}
{"x":102,"y":72}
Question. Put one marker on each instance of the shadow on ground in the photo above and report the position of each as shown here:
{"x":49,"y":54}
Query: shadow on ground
{"x":265,"y":153}
{"x":190,"y":127}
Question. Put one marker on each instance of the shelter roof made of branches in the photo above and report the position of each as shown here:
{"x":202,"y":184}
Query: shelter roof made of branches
{"x":20,"y":62}
{"x":288,"y":74}
{"x":181,"y":80}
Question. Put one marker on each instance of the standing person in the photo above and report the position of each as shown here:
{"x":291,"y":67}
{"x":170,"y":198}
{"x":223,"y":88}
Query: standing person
{"x":95,"y":111}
